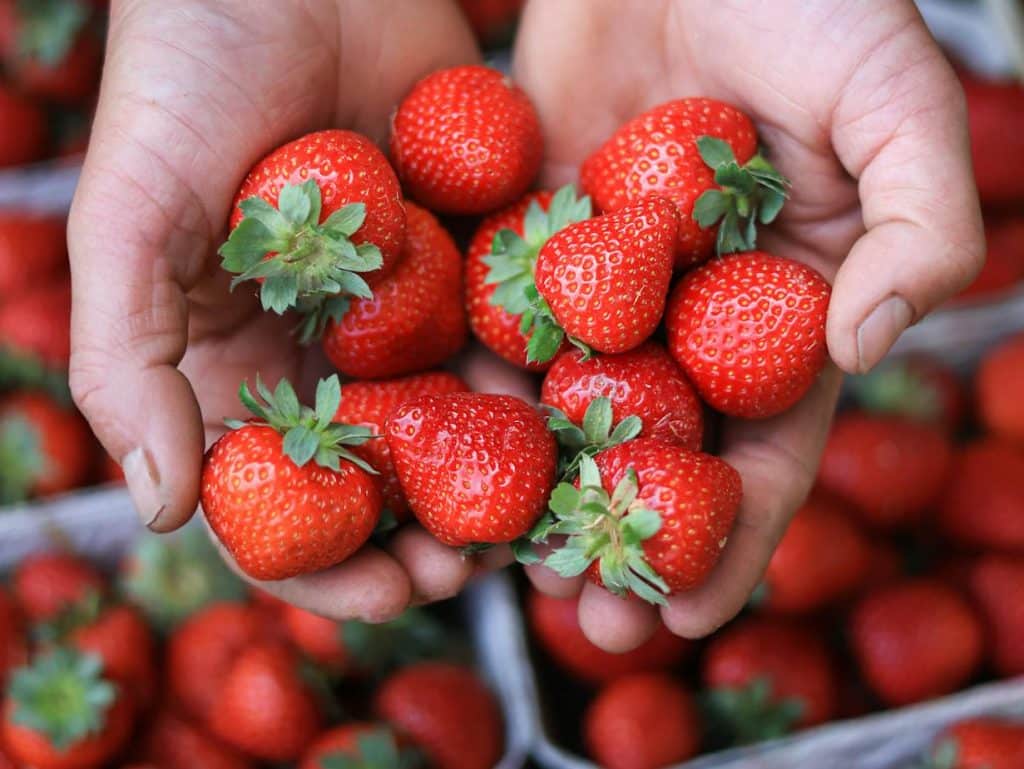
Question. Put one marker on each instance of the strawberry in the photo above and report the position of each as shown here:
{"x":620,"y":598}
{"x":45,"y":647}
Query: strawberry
{"x":22,"y":129}
{"x":998,"y":385}
{"x":172,"y":742}
{"x":36,"y":325}
{"x":603,"y":282}
{"x":915,"y":640}
{"x":749,"y":330}
{"x":890,"y":470}
{"x":319,"y":638}
{"x":415,"y":319}
{"x":556,"y":628}
{"x":642,"y":721}
{"x":316,"y":221}
{"x":980,"y":743}
{"x":446,"y":711}
{"x":44,"y":584}
{"x":822,"y":558}
{"x":768,"y":677}
{"x":13,"y":644}
{"x":358,"y":744}
{"x":493,"y":21}
{"x":22,"y":233}
{"x":992,"y":579}
{"x":644,"y":517}
{"x":1004,"y":263}
{"x":263,"y":707}
{"x":700,"y":154}
{"x":984,"y":496}
{"x":500,"y":264}
{"x":645,"y":383}
{"x":466,"y":141}
{"x":475,"y":468}
{"x":62,"y":713}
{"x":278,"y":515}
{"x":995,"y":109}
{"x":369,"y":404}
{"x":918,"y":387}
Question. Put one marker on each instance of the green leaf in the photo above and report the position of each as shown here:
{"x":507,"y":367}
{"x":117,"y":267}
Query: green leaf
{"x":544,"y":343}
{"x":279,"y":294}
{"x":564,"y":499}
{"x":626,"y":430}
{"x":286,"y":402}
{"x":346,"y":220}
{"x":625,"y":492}
{"x":715,"y":152}
{"x":295,"y":202}
{"x":771,"y":206}
{"x":328,"y":400}
{"x":590,"y":476}
{"x":524,"y":552}
{"x":597,"y":421}
{"x":641,"y":524}
{"x":301,"y":444}
{"x":710,"y":207}
{"x":734,"y":177}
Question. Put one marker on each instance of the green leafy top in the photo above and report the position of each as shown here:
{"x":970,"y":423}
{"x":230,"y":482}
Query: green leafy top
{"x":411,"y":637}
{"x":63,"y":696}
{"x":314,"y":268}
{"x":22,"y":458}
{"x":48,"y":29}
{"x":749,"y":714}
{"x":897,"y":389}
{"x":749,"y":194}
{"x":377,"y":749}
{"x":308,"y":433}
{"x":595,"y":435}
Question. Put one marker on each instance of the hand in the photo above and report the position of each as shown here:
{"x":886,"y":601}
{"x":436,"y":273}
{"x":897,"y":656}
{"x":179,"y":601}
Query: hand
{"x":862,"y":112}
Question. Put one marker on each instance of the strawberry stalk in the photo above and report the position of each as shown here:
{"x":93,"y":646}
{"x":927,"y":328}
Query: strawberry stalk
{"x":592,"y":437}
{"x":377,"y":749}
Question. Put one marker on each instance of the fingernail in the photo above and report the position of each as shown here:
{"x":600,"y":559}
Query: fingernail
{"x":880,"y":329}
{"x":143,"y":483}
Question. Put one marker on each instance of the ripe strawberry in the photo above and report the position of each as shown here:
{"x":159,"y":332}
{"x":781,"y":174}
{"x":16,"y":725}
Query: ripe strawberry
{"x":13,"y":644}
{"x":500,"y":264}
{"x":21,"y":234}
{"x":369,"y":404}
{"x":984,"y":496}
{"x":358,"y":744}
{"x":319,"y":638}
{"x":995,"y":109}
{"x":415,"y":319}
{"x":277,"y":514}
{"x":768,"y":677}
{"x":603,"y":281}
{"x":22,"y":129}
{"x":644,"y":383}
{"x":1004,"y":263}
{"x":644,"y":517}
{"x":556,"y":628}
{"x":36,"y":325}
{"x":642,"y":721}
{"x":920,"y":388}
{"x":493,"y":21}
{"x":446,"y":711}
{"x":476,"y":468}
{"x":890,"y":470}
{"x":749,"y":330}
{"x":992,"y":579}
{"x":61,"y":713}
{"x":172,"y":742}
{"x":823,"y":558}
{"x":314,"y":221}
{"x":699,"y":153}
{"x":998,"y":385}
{"x":46,"y":583}
{"x":915,"y":640}
{"x":466,"y":141}
{"x":980,"y":743}
{"x":263,"y":707}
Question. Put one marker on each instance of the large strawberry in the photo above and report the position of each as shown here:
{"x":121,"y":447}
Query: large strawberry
{"x":998,"y":386}
{"x":359,"y":745}
{"x":13,"y":644}
{"x":23,"y":234}
{"x":47,"y":583}
{"x":749,"y":330}
{"x":36,"y":324}
{"x":980,"y":743}
{"x":284,"y":493}
{"x":415,"y":319}
{"x":642,"y":721}
{"x":699,"y":153}
{"x":173,"y":742}
{"x":918,"y":387}
{"x":993,"y":581}
{"x":22,"y":129}
{"x":645,"y":517}
{"x":995,"y":109}
{"x":466,"y":141}
{"x":314,"y":221}
{"x":475,"y":468}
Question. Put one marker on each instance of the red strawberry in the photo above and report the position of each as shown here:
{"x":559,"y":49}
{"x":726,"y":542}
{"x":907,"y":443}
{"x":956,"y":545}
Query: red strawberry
{"x":446,"y":711}
{"x":768,"y":677}
{"x":995,"y":109}
{"x":317,"y":637}
{"x":36,"y":325}
{"x":698,"y":153}
{"x":984,"y":497}
{"x":314,"y":221}
{"x":642,"y":721}
{"x":823,"y":558}
{"x":22,"y":234}
{"x":555,"y":626}
{"x":46,"y":583}
{"x":369,"y":404}
{"x":466,"y":141}
{"x":645,"y":517}
{"x":172,"y":742}
{"x":890,"y":470}
{"x":13,"y":644}
{"x":475,"y":468}
{"x":493,"y":21}
{"x":22,"y":129}
{"x":992,"y":580}
{"x":998,"y":385}
{"x":749,"y":330}
{"x":362,"y":744}
{"x":915,"y":640}
{"x":278,"y":514}
{"x":918,"y":387}
{"x":415,"y":319}
{"x":981,"y":743}
{"x":263,"y":707}
{"x":1004,"y":263}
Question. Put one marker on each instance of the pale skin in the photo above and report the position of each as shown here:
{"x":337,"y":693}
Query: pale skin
{"x":854,"y":99}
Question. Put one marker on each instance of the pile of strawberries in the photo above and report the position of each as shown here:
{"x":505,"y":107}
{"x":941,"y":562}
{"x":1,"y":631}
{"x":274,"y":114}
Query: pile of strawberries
{"x":174,"y":665}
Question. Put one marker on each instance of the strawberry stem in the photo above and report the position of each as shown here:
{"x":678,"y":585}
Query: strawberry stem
{"x":377,"y":749}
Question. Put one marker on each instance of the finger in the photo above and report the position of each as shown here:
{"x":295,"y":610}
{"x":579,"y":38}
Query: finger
{"x":487,"y":373}
{"x":615,"y":624}
{"x":777,"y":459}
{"x":549,"y":581}
{"x":435,"y":571}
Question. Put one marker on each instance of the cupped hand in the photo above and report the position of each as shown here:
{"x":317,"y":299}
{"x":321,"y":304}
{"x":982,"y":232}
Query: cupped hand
{"x":860,"y":109}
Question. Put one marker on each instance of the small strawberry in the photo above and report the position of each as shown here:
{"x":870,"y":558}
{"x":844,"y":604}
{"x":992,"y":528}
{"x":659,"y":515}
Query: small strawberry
{"x":980,"y":743}
{"x":358,"y":745}
{"x":493,"y":21}
{"x":172,"y":742}
{"x":749,"y":330}
{"x":475,"y":468}
{"x":644,"y":517}
{"x":22,"y":129}
{"x":701,"y":154}
{"x":314,"y":221}
{"x":994,"y":110}
{"x":415,"y":319}
{"x":1004,"y":262}
{"x":642,"y":721}
{"x":556,"y":628}
{"x":41,"y":236}
{"x":36,"y":325}
{"x":264,"y":708}
{"x":13,"y":644}
{"x":44,"y":584}
{"x":992,"y":580}
{"x":919,"y":388}
{"x":915,"y":640}
{"x":278,"y":514}
{"x":446,"y":711}
{"x":998,"y":385}
{"x":890,"y":470}
{"x":466,"y":141}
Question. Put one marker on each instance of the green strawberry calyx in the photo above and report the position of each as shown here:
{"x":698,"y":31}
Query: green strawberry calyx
{"x":748,"y":714}
{"x":897,"y":389}
{"x":303,"y":264}
{"x":309,"y":433}
{"x":48,"y":29}
{"x":592,"y":437}
{"x":413,"y":636}
{"x":375,"y":749}
{"x":62,"y":696}
{"x":72,"y":616}
{"x":747,"y":195}
{"x":22,"y":457}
